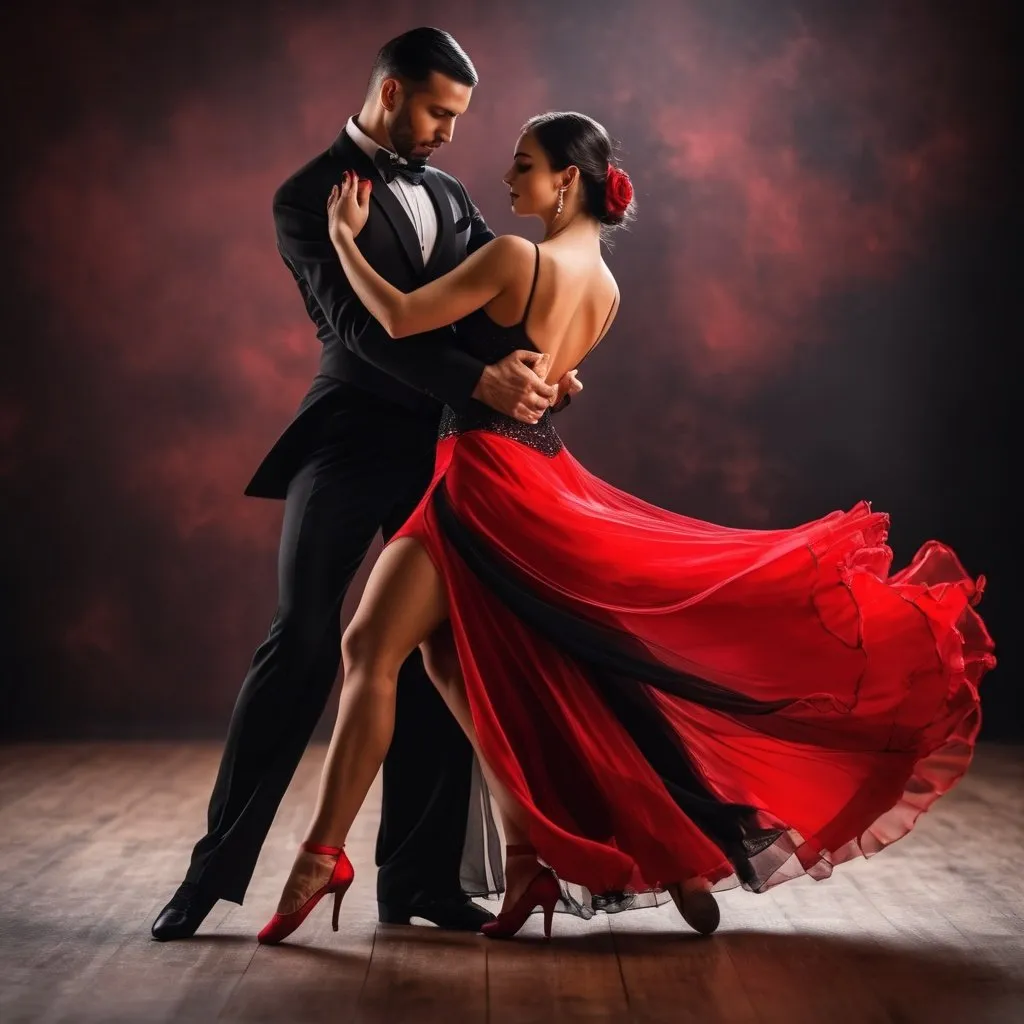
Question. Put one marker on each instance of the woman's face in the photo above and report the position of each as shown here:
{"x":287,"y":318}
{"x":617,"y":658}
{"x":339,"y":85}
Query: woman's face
{"x":533,"y":186}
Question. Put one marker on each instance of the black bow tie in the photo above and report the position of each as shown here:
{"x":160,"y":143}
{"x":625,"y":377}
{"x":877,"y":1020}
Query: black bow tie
{"x":390,"y":168}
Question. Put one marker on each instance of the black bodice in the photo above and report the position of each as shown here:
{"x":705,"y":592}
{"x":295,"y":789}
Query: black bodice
{"x":490,"y":342}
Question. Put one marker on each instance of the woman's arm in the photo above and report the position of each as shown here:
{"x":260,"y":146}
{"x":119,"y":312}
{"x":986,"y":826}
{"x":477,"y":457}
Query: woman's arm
{"x":472,"y":284}
{"x":435,"y":364}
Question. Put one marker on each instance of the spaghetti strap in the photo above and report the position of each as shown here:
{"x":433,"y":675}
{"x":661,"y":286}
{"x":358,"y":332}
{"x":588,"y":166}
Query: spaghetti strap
{"x":600,"y":334}
{"x":533,"y":287}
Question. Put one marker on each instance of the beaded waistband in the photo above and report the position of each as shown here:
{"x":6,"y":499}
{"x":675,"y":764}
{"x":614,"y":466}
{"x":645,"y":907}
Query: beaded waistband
{"x":541,"y":436}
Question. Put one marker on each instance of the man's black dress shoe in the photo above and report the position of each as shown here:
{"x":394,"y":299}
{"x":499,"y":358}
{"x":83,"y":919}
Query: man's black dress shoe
{"x":456,"y":914}
{"x":184,"y":914}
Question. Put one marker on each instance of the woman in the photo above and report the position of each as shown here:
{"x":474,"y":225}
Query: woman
{"x":657,"y":703}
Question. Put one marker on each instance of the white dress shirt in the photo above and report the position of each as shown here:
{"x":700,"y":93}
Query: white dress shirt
{"x":415,"y":199}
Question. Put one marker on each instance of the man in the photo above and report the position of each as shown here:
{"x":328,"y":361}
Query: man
{"x":356,"y":459}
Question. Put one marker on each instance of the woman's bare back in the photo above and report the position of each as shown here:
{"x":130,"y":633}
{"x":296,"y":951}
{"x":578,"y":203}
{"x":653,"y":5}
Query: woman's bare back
{"x":574,"y":303}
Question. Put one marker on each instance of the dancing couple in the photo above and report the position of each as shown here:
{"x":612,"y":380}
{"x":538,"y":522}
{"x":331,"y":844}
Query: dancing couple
{"x":659,"y":706}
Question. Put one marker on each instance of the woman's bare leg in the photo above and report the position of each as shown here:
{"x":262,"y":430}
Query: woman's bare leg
{"x":692,"y":898}
{"x":441,"y":661}
{"x":403,"y":603}
{"x":442,"y":664}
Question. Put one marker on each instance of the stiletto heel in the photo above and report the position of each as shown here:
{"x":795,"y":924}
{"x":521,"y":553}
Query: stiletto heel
{"x":543,"y":891}
{"x":280,"y":926}
{"x":549,"y":912}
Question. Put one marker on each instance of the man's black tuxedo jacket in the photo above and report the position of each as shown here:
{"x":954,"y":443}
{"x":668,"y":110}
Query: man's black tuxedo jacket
{"x":421,"y":372}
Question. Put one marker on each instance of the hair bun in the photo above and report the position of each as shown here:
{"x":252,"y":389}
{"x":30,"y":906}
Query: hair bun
{"x":569,"y":139}
{"x":618,"y":193}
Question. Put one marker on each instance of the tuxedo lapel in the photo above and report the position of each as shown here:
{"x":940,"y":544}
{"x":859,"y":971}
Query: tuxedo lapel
{"x":391,"y":206}
{"x":443,"y":257}
{"x":385,"y":200}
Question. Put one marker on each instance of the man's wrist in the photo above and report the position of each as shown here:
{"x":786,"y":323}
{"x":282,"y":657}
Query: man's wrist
{"x":481,"y":385}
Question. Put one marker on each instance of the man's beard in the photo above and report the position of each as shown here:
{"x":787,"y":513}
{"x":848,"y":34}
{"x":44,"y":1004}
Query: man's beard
{"x":402,"y":139}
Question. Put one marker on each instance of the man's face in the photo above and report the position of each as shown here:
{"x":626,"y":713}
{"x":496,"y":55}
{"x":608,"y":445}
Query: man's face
{"x":421,"y":118}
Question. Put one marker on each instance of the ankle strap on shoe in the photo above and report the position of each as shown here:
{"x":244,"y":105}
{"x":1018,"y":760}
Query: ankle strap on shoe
{"x":327,"y":851}
{"x":517,"y":848}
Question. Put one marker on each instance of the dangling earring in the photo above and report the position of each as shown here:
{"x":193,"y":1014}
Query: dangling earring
{"x":561,"y":200}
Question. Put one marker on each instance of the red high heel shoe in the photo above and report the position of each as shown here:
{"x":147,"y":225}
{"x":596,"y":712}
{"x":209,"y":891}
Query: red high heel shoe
{"x":543,"y":891}
{"x":281,"y":926}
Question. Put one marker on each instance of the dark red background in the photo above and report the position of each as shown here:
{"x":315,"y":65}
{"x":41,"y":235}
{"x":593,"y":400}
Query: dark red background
{"x":816,"y":298}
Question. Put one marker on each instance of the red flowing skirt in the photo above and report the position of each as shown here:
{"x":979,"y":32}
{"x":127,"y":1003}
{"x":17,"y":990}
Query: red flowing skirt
{"x":669,"y":698}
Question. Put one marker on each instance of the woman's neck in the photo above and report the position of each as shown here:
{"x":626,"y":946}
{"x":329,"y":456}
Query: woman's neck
{"x":578,"y":226}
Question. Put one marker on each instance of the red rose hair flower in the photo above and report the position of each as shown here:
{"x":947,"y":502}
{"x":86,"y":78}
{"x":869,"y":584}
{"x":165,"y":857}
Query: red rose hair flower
{"x":618,"y":191}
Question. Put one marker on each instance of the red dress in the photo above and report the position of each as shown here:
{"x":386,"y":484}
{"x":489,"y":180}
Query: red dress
{"x":670,"y":698}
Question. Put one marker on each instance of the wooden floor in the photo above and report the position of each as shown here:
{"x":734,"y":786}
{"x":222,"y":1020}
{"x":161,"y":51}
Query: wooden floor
{"x":94,"y":838}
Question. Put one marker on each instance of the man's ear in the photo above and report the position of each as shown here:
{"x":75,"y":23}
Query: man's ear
{"x":390,"y":93}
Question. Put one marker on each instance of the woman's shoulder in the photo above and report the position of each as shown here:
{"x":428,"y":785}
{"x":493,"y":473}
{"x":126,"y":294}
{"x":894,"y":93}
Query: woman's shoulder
{"x":511,"y":256}
{"x":609,"y":278}
{"x":512,"y":246}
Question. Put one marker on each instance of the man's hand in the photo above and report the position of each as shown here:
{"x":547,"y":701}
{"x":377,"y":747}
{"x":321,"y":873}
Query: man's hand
{"x":516,"y":385}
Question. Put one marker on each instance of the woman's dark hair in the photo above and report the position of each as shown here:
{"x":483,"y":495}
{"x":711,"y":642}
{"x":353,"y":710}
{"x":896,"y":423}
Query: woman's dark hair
{"x":414,"y":54}
{"x":570,"y":138}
